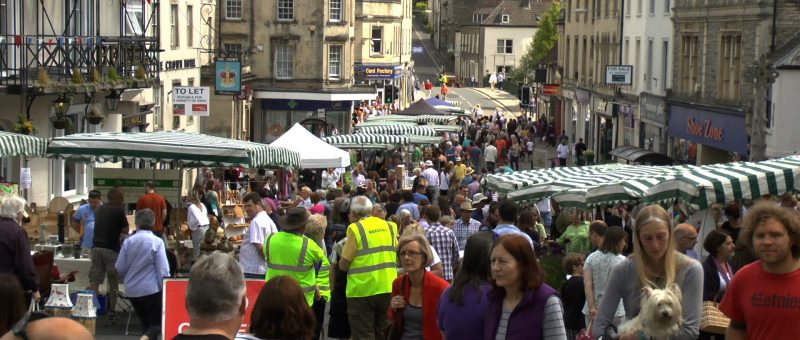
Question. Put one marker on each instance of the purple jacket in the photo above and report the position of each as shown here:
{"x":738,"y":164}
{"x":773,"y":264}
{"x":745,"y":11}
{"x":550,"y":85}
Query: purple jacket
{"x":526,"y":319}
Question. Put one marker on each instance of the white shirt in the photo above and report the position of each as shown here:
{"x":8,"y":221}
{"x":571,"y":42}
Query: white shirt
{"x":490,"y":154}
{"x":544,"y":205}
{"x":198,"y":216}
{"x":562,"y":151}
{"x":444,"y":182}
{"x":260,"y":227}
{"x":329,"y":179}
{"x":359,"y":179}
{"x":432,"y":176}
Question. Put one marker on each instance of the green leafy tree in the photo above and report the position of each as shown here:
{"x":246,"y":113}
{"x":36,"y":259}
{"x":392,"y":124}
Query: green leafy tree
{"x":543,"y":41}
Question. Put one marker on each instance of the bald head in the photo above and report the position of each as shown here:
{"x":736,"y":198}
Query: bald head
{"x":54,"y":329}
{"x":685,"y":237}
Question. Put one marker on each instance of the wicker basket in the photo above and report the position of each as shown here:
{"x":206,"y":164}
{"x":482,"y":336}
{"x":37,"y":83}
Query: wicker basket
{"x":89,"y":323}
{"x":59,"y":312}
{"x":713,"y":321}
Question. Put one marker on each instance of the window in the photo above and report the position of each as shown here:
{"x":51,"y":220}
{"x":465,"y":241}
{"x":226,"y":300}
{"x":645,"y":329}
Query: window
{"x":730,"y":66}
{"x":628,"y":7}
{"x":652,"y":7}
{"x":284,"y":61}
{"x":133,"y":15}
{"x":666,"y":7}
{"x":158,"y":119}
{"x":505,"y":18}
{"x":335,"y":62}
{"x":648,"y":77}
{"x":569,"y":10}
{"x":665,"y":65}
{"x":639,"y":7}
{"x":173,"y":26}
{"x":285,"y":9}
{"x":636,"y":60}
{"x":627,"y":56}
{"x":377,"y":34}
{"x":690,"y":63}
{"x":505,"y":46}
{"x":233,"y":50}
{"x":567,"y":67}
{"x":335,"y":14}
{"x":233,"y":9}
{"x":189,"y":23}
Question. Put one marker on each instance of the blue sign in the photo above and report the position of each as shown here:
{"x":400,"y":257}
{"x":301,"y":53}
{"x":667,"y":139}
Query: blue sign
{"x":381,"y":71}
{"x":416,"y":49}
{"x":724,"y":131}
{"x":228,"y":76}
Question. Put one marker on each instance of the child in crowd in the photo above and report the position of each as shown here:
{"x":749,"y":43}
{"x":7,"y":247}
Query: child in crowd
{"x":573,"y":295}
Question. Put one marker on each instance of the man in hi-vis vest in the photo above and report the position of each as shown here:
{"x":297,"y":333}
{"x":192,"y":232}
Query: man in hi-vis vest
{"x":369,"y":257}
{"x":290,"y":253}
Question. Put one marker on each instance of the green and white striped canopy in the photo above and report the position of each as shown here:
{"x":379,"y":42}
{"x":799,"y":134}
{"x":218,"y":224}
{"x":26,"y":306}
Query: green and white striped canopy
{"x":367,"y":141}
{"x":430,"y":119}
{"x":698,"y":186}
{"x":380,"y":122}
{"x":14,"y":144}
{"x":189,"y":149}
{"x":444,"y":128}
{"x":398,"y":130}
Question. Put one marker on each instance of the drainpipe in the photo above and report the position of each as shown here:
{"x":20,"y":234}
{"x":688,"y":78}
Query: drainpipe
{"x":621,"y":27}
{"x":774,"y":24}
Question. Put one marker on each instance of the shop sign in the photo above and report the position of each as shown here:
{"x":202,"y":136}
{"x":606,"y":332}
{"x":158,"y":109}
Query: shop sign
{"x":304,"y":105}
{"x":132,"y":181}
{"x":190,"y":100}
{"x":176,"y":318}
{"x":178,"y":64}
{"x":383,"y":72}
{"x":134,"y":120}
{"x":722,"y":131}
{"x":582,"y":96}
{"x":228,"y":76}
{"x":550,"y":89}
{"x":652,"y":108}
{"x":600,"y":105}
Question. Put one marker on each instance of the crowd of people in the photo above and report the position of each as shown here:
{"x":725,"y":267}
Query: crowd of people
{"x":429,"y":255}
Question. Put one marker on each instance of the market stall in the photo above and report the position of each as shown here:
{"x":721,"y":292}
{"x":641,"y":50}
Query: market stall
{"x":181,"y":149}
{"x":366,"y":141}
{"x":314,"y":152}
{"x":416,"y":134}
{"x":14,"y":144}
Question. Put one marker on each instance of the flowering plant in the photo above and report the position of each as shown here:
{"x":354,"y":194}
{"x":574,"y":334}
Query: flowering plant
{"x":24,"y":125}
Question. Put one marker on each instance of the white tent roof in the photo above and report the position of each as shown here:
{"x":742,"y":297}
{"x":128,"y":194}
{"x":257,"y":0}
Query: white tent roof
{"x":314,"y":152}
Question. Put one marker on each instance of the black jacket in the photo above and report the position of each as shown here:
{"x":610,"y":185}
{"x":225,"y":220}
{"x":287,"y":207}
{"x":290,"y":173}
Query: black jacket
{"x":711,"y":280}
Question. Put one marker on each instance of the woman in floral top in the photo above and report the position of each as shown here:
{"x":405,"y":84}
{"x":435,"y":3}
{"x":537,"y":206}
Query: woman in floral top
{"x":597,"y":269}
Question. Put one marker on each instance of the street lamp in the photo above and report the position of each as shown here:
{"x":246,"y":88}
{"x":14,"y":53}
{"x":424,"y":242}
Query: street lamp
{"x":112,"y":100}
{"x":61,"y":105}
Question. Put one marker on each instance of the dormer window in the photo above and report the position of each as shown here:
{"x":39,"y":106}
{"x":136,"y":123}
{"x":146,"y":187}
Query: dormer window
{"x":505,"y":18}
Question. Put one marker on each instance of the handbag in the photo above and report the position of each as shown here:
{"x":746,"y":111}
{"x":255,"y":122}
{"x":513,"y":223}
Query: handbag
{"x":713,"y":321}
{"x":586,"y":333}
{"x":394,"y":330}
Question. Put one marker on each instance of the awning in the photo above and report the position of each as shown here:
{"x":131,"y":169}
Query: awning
{"x":419,"y":130}
{"x":430,"y":119}
{"x":314,"y":152}
{"x":189,"y":149}
{"x":697,"y":186}
{"x":367,"y":141}
{"x":635,"y":154}
{"x":14,"y":144}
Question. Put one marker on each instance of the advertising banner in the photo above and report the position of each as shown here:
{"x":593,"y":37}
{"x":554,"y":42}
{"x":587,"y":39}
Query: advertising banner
{"x":190,"y":101}
{"x":176,"y":318}
{"x":132,"y":182}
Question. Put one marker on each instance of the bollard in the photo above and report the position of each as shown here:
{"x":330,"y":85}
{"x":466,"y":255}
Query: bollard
{"x":61,"y":223}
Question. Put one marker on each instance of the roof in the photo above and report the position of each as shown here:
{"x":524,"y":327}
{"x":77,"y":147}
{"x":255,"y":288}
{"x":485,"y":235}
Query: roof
{"x":520,"y":12}
{"x":421,"y":107}
{"x":787,"y":55}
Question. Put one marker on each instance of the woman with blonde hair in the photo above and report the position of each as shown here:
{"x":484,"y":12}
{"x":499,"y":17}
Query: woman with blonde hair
{"x":656,"y":264}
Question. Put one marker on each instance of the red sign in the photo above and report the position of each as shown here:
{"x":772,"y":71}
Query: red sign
{"x":551,"y":89}
{"x":199,"y":107}
{"x":704,"y":129}
{"x":176,"y":318}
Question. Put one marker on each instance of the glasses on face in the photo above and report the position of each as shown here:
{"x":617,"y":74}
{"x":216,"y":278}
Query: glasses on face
{"x":410,"y":254}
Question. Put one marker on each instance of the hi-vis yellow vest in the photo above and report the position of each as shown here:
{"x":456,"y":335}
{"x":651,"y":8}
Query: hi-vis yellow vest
{"x":374,"y":266}
{"x":296,"y":256}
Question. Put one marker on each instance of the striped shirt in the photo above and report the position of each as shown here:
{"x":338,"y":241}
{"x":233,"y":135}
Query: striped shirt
{"x":260,"y":227}
{"x":444,"y":241}
{"x":552,"y":324}
{"x":464,"y":230}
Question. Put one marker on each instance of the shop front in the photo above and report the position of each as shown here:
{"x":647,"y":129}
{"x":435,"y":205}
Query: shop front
{"x":704,"y":135}
{"x":601,"y":133}
{"x":652,"y":135}
{"x":281,"y":114}
{"x":390,"y":80}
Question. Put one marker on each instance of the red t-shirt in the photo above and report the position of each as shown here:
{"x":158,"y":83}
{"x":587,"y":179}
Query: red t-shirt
{"x":769,"y":304}
{"x":157,"y":204}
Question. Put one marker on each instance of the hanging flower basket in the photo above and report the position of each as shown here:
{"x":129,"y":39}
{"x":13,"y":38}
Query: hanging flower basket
{"x":24,"y":126}
{"x":60,"y":123}
{"x":94,"y":120}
